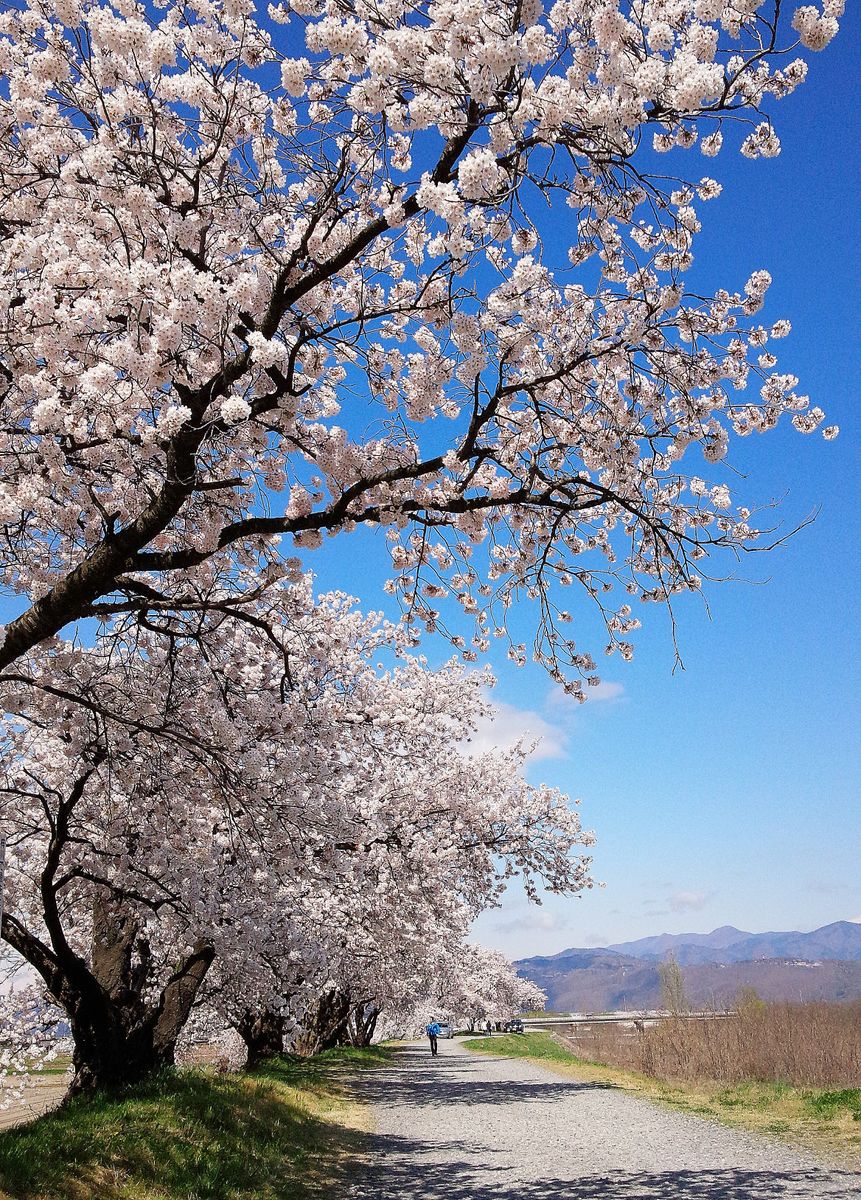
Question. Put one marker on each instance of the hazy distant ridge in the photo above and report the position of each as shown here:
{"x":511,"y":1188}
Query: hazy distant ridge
{"x":822,"y":965}
{"x":840,"y":940}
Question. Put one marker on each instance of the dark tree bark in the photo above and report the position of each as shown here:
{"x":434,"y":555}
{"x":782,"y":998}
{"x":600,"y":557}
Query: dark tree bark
{"x":121,"y":1033}
{"x":263,"y":1034}
{"x":363,"y":1022}
{"x":122,"y":1038}
{"x":119,"y":1036}
{"x":325,"y":1024}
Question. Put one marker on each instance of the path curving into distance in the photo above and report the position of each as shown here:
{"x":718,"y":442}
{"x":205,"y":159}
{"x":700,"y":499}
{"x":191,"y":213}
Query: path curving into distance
{"x":472,"y":1127}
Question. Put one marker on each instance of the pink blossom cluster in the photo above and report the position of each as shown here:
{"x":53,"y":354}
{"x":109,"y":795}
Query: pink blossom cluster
{"x":259,"y":787}
{"x":32,"y":1038}
{"x":469,"y":984}
{"x":287,"y":277}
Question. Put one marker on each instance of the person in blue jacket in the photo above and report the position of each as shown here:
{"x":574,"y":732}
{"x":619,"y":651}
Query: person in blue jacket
{"x":433,"y":1032}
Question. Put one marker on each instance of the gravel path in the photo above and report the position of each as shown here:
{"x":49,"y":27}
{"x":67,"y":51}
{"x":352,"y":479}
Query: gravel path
{"x":472,"y":1127}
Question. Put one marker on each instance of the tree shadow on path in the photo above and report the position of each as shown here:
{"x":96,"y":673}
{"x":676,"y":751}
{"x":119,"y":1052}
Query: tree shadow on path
{"x":399,"y":1167}
{"x":423,"y":1082}
{"x":399,"y":1171}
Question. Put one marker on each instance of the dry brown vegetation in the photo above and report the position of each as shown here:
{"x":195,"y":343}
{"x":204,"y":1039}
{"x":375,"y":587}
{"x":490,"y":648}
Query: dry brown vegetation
{"x":808,"y":1045}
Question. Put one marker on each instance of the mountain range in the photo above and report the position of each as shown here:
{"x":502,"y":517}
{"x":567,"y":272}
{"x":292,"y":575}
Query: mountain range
{"x":840,"y":940}
{"x":822,"y":965}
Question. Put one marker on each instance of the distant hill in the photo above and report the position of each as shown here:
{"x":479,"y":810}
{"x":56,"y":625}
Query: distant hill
{"x":593,"y":980}
{"x":658,"y":947}
{"x":841,"y":940}
{"x":823,"y":965}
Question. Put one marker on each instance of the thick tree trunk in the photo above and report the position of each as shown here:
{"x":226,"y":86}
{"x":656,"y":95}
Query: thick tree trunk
{"x":325,"y":1024}
{"x":119,"y":1037}
{"x":263,"y":1034}
{"x":364,"y":1022}
{"x":111,"y":1055}
{"x":124,"y":1040}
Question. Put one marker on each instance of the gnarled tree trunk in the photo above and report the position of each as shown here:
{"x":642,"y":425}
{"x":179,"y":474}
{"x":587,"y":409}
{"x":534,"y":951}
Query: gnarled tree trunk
{"x":325,"y":1023}
{"x":363,"y":1022}
{"x":263,"y":1034}
{"x":119,"y":1035}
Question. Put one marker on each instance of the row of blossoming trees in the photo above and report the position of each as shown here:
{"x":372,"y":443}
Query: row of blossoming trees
{"x":266,"y":827}
{"x":410,"y":266}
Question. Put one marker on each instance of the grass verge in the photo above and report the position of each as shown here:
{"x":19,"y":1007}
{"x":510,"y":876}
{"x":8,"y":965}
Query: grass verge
{"x":282,"y":1133}
{"x":826,"y":1122}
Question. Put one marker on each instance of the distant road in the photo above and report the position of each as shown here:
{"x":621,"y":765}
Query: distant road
{"x":621,"y":1018}
{"x":44,"y":1093}
{"x":473,"y":1127}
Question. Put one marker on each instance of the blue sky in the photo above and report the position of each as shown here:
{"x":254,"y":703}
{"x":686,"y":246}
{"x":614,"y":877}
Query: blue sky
{"x":727,"y":792}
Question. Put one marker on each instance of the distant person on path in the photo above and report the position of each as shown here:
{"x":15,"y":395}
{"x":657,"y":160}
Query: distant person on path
{"x":488,"y":1027}
{"x":433,"y":1032}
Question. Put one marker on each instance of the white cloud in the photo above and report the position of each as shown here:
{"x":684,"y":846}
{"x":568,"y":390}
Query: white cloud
{"x":532,"y":920}
{"x":603,"y":692}
{"x":688,"y":901}
{"x":854,"y":920}
{"x":510,"y":725}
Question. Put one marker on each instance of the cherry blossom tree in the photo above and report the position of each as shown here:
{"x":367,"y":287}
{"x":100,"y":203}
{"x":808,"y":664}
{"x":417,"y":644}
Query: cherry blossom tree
{"x":384,"y":959}
{"x":214,"y":795}
{"x":468,"y":983}
{"x":291,"y":274}
{"x":487,"y":984}
{"x":267,"y":279}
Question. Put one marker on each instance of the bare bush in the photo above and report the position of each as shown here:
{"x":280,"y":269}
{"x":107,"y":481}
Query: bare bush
{"x":816,"y":1045}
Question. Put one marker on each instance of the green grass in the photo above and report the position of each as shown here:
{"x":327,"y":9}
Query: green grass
{"x":58,"y":1066}
{"x":753,"y":1095}
{"x":283,"y":1133}
{"x":522,"y":1045}
{"x":829,"y":1104}
{"x":825,"y":1121}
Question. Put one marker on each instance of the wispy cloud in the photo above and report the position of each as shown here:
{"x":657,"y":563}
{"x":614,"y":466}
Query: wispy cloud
{"x":604,"y":692}
{"x":530,"y":920}
{"x":510,"y":725}
{"x":829,"y":887}
{"x":688,"y":901}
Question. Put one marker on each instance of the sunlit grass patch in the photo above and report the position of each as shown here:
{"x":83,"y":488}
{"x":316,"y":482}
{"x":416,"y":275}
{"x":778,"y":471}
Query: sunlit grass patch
{"x":282,"y":1133}
{"x":521,"y":1045}
{"x":830,"y":1104}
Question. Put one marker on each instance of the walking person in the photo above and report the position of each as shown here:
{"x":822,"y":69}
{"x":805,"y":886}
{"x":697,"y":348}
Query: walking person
{"x":433,"y":1032}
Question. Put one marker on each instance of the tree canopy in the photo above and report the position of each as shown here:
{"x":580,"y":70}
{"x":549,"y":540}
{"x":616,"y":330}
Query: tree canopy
{"x":269,"y":277}
{"x":292,"y":275}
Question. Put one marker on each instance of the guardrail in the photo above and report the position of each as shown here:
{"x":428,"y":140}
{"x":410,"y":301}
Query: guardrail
{"x":630,"y":1018}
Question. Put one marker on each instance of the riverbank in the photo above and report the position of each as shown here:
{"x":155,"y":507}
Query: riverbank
{"x":285,"y":1132}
